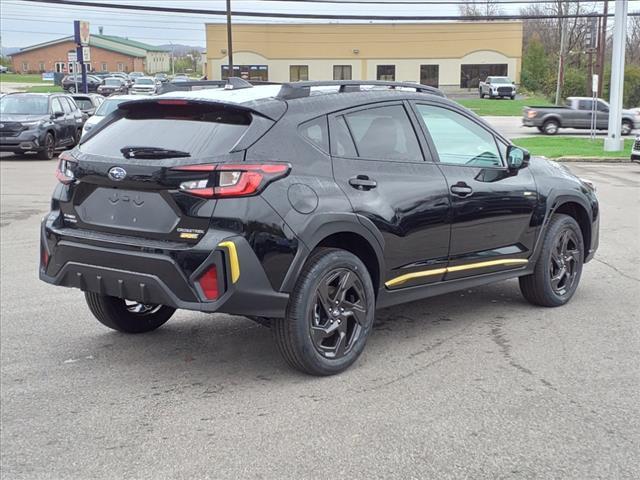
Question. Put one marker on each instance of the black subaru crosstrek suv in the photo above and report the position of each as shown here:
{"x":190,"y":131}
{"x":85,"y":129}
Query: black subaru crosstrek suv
{"x":307,"y":206}
{"x":39,"y":122}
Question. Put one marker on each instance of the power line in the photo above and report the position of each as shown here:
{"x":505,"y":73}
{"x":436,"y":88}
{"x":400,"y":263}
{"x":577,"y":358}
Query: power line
{"x":198,"y":11}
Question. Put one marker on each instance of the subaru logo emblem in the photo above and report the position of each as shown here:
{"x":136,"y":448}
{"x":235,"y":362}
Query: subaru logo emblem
{"x":117,"y":174}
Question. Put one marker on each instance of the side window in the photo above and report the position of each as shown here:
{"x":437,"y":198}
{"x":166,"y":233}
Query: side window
{"x":66,"y":105}
{"x":384,"y":133}
{"x":341,"y":141}
{"x":603,"y":107}
{"x":316,"y":132}
{"x":585,"y":104}
{"x":56,"y":106}
{"x":458,"y":140}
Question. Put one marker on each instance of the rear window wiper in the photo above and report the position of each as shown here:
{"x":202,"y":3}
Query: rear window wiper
{"x":152,"y":152}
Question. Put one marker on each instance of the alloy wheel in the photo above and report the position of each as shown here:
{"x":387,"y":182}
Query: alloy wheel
{"x":339,"y":313}
{"x":564,"y":263}
{"x":49,"y":146}
{"x":141,"y":308}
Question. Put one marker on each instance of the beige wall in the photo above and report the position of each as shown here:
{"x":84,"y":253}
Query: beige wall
{"x":364,"y":46}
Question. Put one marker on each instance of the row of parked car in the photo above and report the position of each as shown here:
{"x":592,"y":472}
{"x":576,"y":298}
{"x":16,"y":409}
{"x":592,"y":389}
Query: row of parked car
{"x":119,"y":83}
{"x":42,"y":123}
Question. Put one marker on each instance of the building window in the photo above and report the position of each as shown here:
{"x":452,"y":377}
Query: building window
{"x":247,"y":72}
{"x":104,"y":67}
{"x":70,"y":67}
{"x":472,"y":75}
{"x":386,"y":73}
{"x":120,"y":67}
{"x":298,"y":73}
{"x":41,"y":67}
{"x":25,"y":67}
{"x":59,"y":67}
{"x":429,"y":75}
{"x":342,"y":72}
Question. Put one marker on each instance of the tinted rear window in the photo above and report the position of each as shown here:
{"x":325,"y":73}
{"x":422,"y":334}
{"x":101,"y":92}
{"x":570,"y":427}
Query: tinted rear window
{"x":200,"y":130}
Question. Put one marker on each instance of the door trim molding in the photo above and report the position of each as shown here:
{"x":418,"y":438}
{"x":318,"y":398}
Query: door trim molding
{"x":457,"y":268}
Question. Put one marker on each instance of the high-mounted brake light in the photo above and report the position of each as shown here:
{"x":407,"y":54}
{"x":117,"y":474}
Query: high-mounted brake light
{"x":64,"y":171}
{"x":172,"y":102}
{"x":231,"y":180}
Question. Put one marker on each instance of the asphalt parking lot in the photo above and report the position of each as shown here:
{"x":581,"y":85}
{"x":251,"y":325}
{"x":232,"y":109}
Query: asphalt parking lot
{"x":476,"y":384}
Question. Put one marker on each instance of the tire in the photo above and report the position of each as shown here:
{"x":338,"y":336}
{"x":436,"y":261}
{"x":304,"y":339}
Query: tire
{"x":550,"y":127}
{"x":481,"y":94}
{"x":47,"y":153}
{"x":76,"y":139}
{"x":542,"y":287}
{"x":314,"y":339}
{"x":627,"y":128}
{"x":513,"y":97}
{"x":540,"y":129}
{"x":116,"y":314}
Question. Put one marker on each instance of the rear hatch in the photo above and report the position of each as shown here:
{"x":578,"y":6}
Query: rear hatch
{"x":154,"y":168}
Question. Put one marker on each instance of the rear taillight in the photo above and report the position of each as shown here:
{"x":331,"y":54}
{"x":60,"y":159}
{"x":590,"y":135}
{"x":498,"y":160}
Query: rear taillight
{"x":208,"y":282}
{"x":44,"y":257}
{"x":230,"y":180}
{"x":64,"y":172}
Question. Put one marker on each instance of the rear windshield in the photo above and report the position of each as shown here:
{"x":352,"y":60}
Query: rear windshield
{"x":108,"y":106}
{"x":144,"y":81}
{"x":199,"y":130}
{"x":84,"y":103}
{"x":116,"y":82}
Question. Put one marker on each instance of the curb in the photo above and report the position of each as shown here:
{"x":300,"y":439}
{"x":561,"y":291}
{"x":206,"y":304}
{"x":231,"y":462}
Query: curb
{"x":593,"y":159}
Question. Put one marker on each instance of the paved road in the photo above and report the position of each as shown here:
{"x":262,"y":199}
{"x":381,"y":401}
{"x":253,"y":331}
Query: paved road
{"x":476,"y":384}
{"x":511,"y":127}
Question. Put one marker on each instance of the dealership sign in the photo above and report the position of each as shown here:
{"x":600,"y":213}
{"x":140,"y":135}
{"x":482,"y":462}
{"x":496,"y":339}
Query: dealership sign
{"x":81,"y":32}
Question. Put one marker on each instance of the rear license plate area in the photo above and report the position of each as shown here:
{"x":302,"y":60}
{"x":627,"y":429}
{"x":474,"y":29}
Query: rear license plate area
{"x":128,"y":210}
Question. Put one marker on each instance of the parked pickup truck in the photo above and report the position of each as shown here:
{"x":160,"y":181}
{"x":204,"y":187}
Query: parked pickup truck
{"x":576,"y":113}
{"x":497,"y":87}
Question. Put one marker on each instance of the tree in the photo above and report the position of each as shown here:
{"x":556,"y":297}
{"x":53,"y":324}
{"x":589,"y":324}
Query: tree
{"x":535,"y":66}
{"x":633,"y":41}
{"x":481,"y":8}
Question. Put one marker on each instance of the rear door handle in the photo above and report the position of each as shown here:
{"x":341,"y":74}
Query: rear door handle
{"x":362,"y":182}
{"x":461,"y":189}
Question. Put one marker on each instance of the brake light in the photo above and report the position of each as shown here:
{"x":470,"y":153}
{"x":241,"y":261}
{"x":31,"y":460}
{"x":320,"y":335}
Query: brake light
{"x":172,"y":102}
{"x":231,"y":180}
{"x":208,"y":281}
{"x":44,"y":257}
{"x":64,"y":172}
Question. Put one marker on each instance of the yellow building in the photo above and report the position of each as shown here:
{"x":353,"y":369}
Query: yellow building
{"x":449,"y":55}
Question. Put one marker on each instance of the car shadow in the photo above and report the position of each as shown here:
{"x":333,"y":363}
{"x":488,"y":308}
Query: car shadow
{"x":197,"y":348}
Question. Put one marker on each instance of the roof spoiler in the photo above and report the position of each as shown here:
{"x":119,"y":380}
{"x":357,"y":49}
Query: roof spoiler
{"x":232,"y":83}
{"x":292,"y":90}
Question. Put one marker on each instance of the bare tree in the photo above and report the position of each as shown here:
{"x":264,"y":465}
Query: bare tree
{"x":480,"y":8}
{"x":633,"y":41}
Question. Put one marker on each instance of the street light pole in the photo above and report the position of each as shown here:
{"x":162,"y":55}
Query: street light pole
{"x":560,"y":79}
{"x":614,"y":141}
{"x":229,"y":39}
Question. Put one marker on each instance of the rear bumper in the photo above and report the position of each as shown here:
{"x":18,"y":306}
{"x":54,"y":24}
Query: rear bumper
{"x":159,"y":273}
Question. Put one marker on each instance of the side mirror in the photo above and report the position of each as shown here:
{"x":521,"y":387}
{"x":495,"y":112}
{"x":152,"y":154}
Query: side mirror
{"x":517,"y":158}
{"x":58,"y":114}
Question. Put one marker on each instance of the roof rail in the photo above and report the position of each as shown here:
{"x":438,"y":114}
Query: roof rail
{"x":292,"y":90}
{"x":232,"y":83}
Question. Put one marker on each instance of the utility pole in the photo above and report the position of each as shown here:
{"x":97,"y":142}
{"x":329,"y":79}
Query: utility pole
{"x":229,"y":39}
{"x":614,"y":141}
{"x":561,"y":56}
{"x":602,"y":44}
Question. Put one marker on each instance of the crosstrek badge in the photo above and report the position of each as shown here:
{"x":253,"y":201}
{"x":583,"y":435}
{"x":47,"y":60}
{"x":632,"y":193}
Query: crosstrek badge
{"x":190,"y":233}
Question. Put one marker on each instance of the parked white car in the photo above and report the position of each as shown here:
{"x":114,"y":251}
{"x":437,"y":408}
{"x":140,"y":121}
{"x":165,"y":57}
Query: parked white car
{"x":144,"y":86}
{"x":108,"y":106}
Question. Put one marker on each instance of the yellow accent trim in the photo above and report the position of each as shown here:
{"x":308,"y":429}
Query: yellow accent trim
{"x":411,"y":276}
{"x":458,"y":268}
{"x":233,"y":260}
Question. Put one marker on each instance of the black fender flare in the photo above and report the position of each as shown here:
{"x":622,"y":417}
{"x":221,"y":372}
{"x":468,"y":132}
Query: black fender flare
{"x":324,"y":225}
{"x":555,"y":199}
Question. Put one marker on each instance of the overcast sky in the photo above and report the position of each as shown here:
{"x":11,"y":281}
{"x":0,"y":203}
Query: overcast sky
{"x":23,"y":23}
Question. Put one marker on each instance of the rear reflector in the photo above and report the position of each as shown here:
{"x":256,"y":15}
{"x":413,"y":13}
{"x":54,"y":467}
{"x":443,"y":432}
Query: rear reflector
{"x":208,"y":281}
{"x":44,"y":257}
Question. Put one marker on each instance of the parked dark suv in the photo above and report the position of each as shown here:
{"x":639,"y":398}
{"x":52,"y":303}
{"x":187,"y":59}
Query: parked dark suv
{"x":69,"y":83}
{"x":39,"y":122}
{"x":307,"y":206}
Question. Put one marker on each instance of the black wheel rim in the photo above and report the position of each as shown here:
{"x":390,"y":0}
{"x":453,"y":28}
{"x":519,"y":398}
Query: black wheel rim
{"x":339,"y":313}
{"x":141,"y":308}
{"x":565,"y":263}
